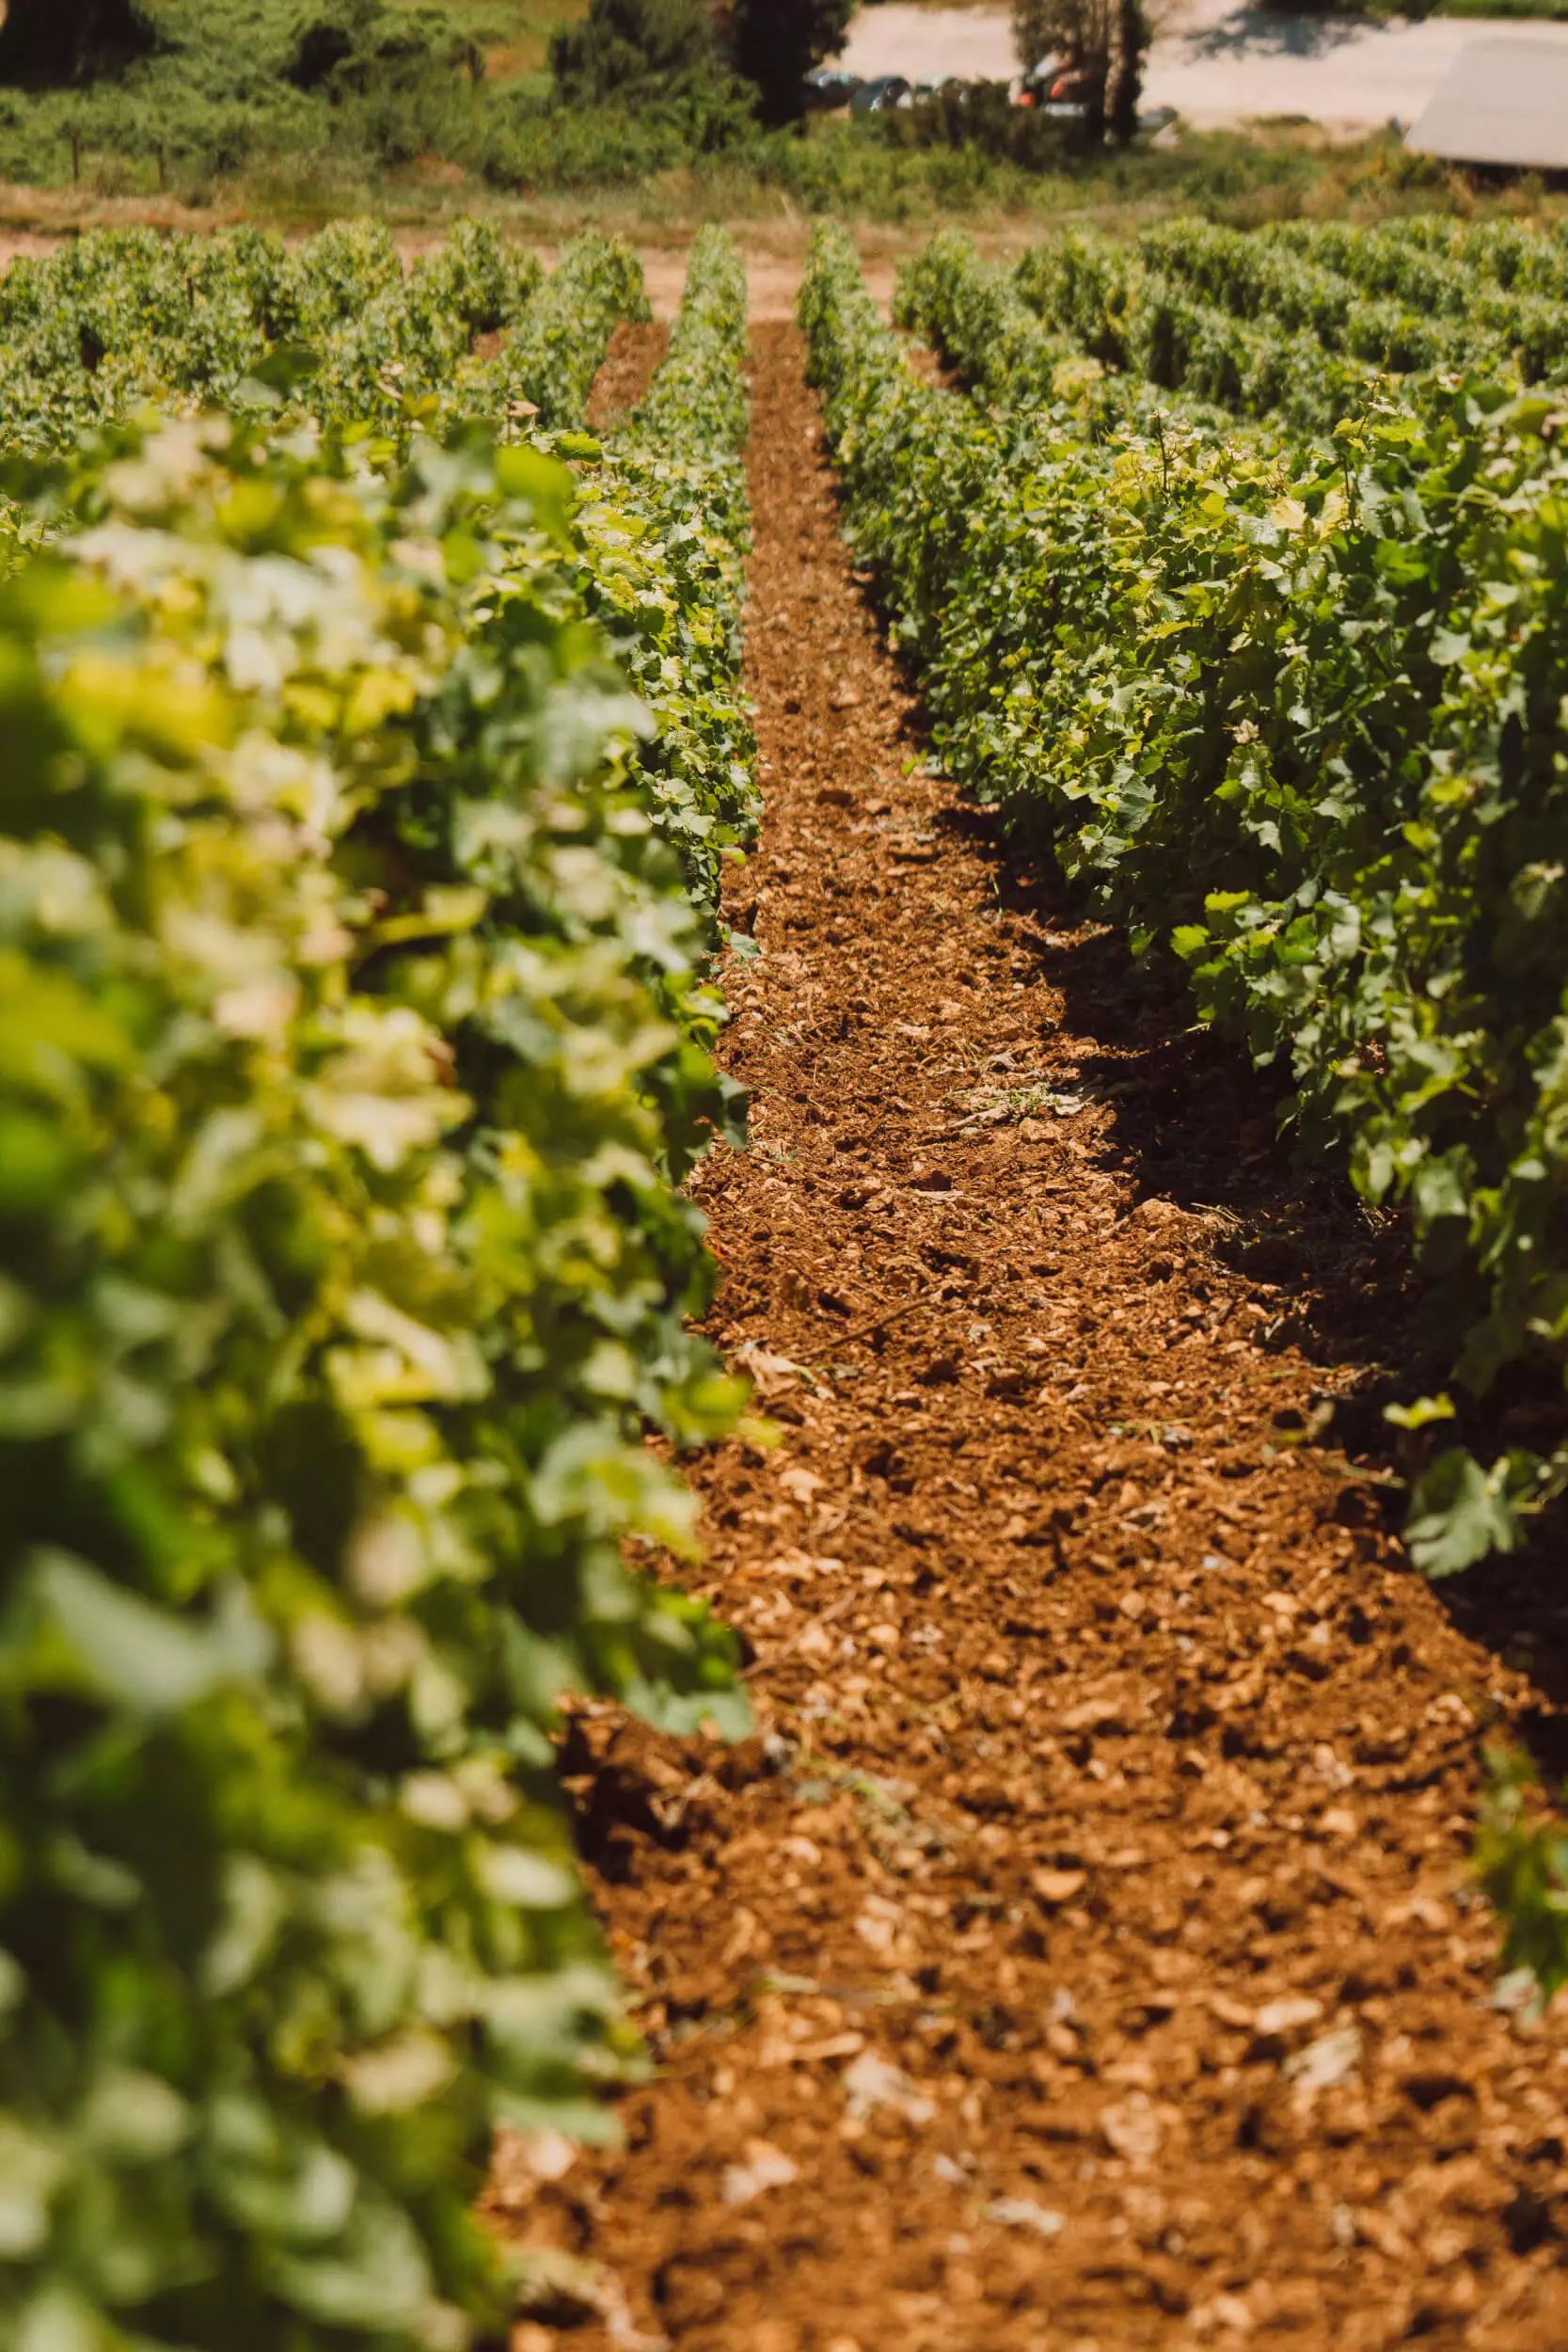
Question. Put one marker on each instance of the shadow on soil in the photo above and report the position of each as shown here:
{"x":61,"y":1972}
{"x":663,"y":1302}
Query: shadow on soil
{"x":1193,"y":1123}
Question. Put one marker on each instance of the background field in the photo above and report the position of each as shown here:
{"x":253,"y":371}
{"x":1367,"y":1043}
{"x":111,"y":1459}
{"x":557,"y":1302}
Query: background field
{"x":207,"y":130}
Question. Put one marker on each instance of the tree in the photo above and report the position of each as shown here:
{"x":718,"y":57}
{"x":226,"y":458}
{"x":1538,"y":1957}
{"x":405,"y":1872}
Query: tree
{"x":55,"y":40}
{"x":775,"y":43}
{"x":1124,"y":83}
{"x":647,"y":48}
{"x":1100,"y":47}
{"x":357,"y":45}
{"x":1035,"y":31}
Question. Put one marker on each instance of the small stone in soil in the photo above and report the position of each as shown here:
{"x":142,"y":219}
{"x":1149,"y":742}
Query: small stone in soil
{"x":1055,"y":1887}
{"x":1023,"y":2213}
{"x":765,"y":2168}
{"x":872,"y":2083}
{"x":1326,"y":2062}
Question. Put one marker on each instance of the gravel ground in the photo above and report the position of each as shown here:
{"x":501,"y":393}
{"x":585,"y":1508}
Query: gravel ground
{"x":1217,"y":63}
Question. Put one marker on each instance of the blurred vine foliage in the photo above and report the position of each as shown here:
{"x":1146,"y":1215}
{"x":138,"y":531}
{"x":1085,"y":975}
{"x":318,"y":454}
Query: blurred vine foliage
{"x":974,"y":313}
{"x":366,"y":789}
{"x":550,"y":363}
{"x":128,"y":316}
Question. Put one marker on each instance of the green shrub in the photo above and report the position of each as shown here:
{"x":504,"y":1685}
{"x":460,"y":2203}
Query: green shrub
{"x":358,"y":45}
{"x":635,"y":50}
{"x":981,"y":115}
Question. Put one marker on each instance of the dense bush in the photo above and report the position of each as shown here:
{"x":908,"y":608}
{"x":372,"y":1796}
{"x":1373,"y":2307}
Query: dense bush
{"x":359,"y":46}
{"x":529,"y":146}
{"x":638,"y":49}
{"x":47,"y":40}
{"x":982,"y":114}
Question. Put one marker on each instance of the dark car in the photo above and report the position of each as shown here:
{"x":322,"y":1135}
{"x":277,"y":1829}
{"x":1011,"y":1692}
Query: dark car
{"x":831,"y":86}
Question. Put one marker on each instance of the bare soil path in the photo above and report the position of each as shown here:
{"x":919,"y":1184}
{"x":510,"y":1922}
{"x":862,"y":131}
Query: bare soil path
{"x":1080,"y":1959}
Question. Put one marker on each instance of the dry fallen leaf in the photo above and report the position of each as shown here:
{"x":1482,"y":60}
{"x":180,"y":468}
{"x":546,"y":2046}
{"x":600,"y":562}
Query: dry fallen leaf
{"x":772,"y":1374}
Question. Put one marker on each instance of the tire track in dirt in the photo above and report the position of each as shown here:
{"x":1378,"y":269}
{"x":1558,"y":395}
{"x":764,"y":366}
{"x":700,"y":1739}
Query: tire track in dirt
{"x":1079,"y":1958}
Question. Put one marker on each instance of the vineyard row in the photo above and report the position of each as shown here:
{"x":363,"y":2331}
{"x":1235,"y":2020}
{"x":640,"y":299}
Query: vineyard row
{"x":373,"y":757}
{"x":1293,"y":706}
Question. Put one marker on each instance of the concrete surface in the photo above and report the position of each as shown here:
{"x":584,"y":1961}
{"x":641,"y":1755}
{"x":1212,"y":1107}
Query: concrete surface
{"x":921,"y":44}
{"x":1502,"y":102}
{"x":1218,"y":63}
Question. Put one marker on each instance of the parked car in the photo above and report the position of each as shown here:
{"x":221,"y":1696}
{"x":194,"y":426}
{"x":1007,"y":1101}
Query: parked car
{"x":921,"y":94}
{"x":877,"y":97}
{"x":831,"y":86}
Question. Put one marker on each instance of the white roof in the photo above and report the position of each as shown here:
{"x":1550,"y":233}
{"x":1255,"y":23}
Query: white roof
{"x":1501,"y":101}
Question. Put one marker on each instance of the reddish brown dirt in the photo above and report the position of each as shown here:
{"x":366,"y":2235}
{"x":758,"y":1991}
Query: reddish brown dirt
{"x":634,"y":353}
{"x":1082,"y":1957}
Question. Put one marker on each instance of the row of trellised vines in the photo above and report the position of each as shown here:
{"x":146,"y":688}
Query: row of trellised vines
{"x":1290,"y":705}
{"x":1299,"y":326}
{"x":371,"y":754}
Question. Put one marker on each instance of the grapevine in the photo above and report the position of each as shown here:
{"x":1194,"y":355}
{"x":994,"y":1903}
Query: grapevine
{"x":368,"y":778}
{"x":1289,"y":707}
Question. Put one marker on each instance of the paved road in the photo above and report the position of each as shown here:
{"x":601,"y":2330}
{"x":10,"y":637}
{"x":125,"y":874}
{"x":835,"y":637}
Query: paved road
{"x":1216,"y":62}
